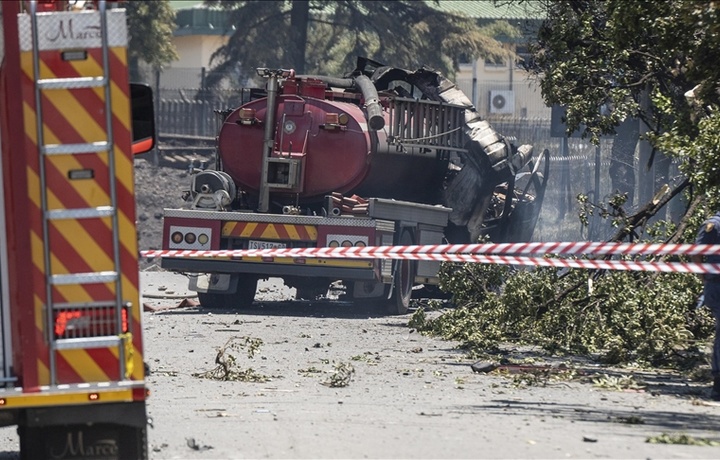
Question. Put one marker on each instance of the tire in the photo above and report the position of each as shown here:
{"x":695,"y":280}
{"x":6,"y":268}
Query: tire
{"x":310,"y":292}
{"x":243,"y":296}
{"x":214,"y":300}
{"x":403,"y":279}
{"x":309,"y":288}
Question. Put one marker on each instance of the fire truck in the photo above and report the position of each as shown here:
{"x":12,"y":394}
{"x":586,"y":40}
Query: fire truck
{"x":72,"y":375}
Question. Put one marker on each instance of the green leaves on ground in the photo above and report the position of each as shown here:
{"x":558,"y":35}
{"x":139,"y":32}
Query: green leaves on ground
{"x":683,"y":439}
{"x":620,"y":316}
{"x":228,"y":366}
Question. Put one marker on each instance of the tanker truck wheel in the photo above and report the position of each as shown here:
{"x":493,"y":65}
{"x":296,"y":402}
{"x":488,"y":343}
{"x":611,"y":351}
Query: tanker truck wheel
{"x":243,"y":297}
{"x":404,"y":277}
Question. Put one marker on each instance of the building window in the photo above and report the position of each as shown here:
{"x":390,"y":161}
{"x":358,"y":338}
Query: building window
{"x":465,"y":58}
{"x":523,"y":57}
{"x":495,"y":62}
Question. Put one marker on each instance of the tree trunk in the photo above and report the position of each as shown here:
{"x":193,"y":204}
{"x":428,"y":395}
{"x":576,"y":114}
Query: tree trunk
{"x":622,"y":161}
{"x":299,"y":19}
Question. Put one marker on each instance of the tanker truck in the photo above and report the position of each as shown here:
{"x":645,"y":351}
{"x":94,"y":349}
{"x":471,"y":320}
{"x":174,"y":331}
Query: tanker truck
{"x":382,"y":156}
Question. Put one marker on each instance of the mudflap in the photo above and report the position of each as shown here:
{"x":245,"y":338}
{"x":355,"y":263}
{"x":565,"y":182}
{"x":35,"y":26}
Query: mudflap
{"x":43,"y":435}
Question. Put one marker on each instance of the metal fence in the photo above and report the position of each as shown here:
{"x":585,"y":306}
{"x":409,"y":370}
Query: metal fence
{"x":183,"y":107}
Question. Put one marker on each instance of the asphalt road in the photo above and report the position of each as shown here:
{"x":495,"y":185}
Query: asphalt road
{"x":408,"y":396}
{"x":330,"y":381}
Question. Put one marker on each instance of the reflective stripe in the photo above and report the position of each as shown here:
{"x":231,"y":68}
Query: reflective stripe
{"x":71,"y":83}
{"x":93,"y":147}
{"x":83,"y":278}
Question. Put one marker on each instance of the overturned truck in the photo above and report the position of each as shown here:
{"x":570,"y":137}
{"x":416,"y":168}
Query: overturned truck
{"x":382,"y":156}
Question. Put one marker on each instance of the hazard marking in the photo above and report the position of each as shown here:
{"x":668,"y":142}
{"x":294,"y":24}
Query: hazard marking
{"x":270,"y":231}
{"x":506,"y":254}
{"x":77,"y":116}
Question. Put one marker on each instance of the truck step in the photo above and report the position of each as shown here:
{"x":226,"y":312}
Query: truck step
{"x":71,"y":83}
{"x":80,"y":213}
{"x":89,"y":342}
{"x":84,"y":278}
{"x":93,"y":147}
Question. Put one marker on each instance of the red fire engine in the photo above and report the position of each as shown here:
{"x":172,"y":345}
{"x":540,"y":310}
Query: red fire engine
{"x":71,"y":356}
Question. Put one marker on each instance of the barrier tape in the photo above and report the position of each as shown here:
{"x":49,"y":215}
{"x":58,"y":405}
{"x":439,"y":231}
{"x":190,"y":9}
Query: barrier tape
{"x":503,"y":253}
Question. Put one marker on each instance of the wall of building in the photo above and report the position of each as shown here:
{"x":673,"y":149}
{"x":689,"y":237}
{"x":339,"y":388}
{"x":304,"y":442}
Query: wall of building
{"x":195,"y":51}
{"x":502,"y":91}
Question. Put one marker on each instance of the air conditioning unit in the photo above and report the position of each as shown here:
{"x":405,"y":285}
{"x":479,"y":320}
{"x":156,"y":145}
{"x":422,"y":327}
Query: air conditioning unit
{"x":502,"y":101}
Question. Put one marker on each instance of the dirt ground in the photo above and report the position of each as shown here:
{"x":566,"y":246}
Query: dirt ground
{"x":156,"y":187}
{"x":330,"y":381}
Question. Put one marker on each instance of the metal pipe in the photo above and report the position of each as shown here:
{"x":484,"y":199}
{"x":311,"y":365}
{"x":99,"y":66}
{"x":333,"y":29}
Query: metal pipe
{"x":347,"y":83}
{"x":375,"y":118}
{"x":269,"y":139}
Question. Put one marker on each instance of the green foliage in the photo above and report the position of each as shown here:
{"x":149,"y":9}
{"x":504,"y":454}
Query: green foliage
{"x":228,"y":365}
{"x":618,"y":383}
{"x":613,"y":210}
{"x":324,"y":38}
{"x":592,"y":54}
{"x":622,"y":316}
{"x":150,"y":26}
{"x":699,"y":153}
{"x":609,"y":60}
{"x":682,"y":439}
{"x":341,"y":377}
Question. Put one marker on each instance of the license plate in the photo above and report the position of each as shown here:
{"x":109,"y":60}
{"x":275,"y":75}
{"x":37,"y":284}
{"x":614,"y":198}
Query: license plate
{"x":266,"y":245}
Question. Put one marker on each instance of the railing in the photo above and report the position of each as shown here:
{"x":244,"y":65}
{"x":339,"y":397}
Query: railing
{"x":426,"y":125}
{"x":194,"y":118}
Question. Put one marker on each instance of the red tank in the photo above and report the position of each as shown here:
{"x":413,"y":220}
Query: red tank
{"x":338,"y":152}
{"x":334,"y":158}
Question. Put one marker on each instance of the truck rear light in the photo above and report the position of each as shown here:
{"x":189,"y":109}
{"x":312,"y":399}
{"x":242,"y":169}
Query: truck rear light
{"x":92,"y":321}
{"x":140,"y":394}
{"x":246,"y":116}
{"x":188,"y":238}
{"x":346,"y":241}
{"x":177,"y":237}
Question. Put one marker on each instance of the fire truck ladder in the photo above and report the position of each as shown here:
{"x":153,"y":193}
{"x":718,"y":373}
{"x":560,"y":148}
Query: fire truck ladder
{"x":106,"y":317}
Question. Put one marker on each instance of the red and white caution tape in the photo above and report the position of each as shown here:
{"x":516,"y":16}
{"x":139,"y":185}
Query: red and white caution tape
{"x":504,"y":253}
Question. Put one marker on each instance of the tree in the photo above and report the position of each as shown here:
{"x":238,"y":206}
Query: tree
{"x":319,"y":37}
{"x":608,"y":61}
{"x":593,"y":55}
{"x":150,"y":26}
